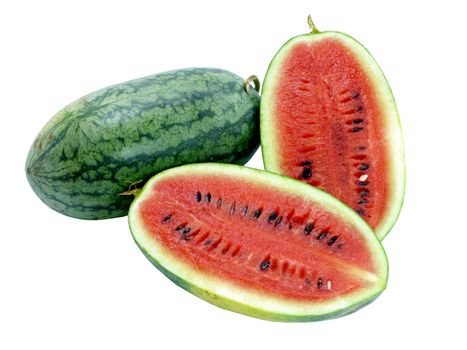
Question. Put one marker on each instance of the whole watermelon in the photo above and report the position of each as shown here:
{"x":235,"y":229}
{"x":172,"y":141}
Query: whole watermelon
{"x":95,"y":148}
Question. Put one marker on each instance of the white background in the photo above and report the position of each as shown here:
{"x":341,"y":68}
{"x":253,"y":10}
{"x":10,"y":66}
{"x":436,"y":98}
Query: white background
{"x":73,"y":284}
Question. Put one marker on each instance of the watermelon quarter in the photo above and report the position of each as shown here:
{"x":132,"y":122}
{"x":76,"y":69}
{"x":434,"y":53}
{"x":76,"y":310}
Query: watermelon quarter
{"x":328,"y":118}
{"x":95,"y":148}
{"x":258,"y":243}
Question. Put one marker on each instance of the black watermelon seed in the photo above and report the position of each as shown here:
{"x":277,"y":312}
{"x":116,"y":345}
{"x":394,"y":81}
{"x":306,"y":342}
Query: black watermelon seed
{"x":180,"y":227}
{"x":360,"y":212}
{"x":362,"y":183}
{"x":357,"y":129}
{"x":167,"y":218}
{"x":364,"y":193}
{"x":362,"y":201}
{"x":363,"y":166}
{"x":265,"y":264}
{"x":319,"y":283}
{"x":245,"y":210}
{"x":186,"y":230}
{"x":322,"y":235}
{"x":305,"y":163}
{"x":198,"y":196}
{"x":219,"y":202}
{"x":359,"y":108}
{"x":258,"y":213}
{"x":232,"y":208}
{"x":333,"y":240}
{"x":356,"y":95}
{"x":307,"y":281}
{"x":208,"y":242}
{"x":208,"y":198}
{"x":278,"y":221}
{"x":272,"y":216}
{"x":357,"y":121}
{"x":307,"y":173}
{"x":308,"y":228}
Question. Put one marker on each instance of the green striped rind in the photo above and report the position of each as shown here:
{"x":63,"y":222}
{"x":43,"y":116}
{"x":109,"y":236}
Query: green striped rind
{"x":392,"y":127}
{"x":94,"y":148}
{"x":232,"y":297}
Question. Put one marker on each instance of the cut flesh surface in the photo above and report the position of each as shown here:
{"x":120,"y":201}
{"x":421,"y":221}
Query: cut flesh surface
{"x":328,"y":118}
{"x":258,"y":243}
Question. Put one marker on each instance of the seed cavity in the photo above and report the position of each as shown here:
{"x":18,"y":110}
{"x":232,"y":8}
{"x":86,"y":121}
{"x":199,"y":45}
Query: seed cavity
{"x":258,"y":213}
{"x":181,"y":226}
{"x":307,"y":173}
{"x":186,"y":230}
{"x":357,"y":129}
{"x":245,"y":210}
{"x":364,"y":193}
{"x":208,"y":242}
{"x":219,"y":202}
{"x":265,"y":264}
{"x":226,"y":248}
{"x":278,"y":221}
{"x":360,"y":212}
{"x":328,"y":284}
{"x":362,"y":183}
{"x":208,"y":198}
{"x":202,"y":238}
{"x":232,"y":208}
{"x":308,"y":228}
{"x":235,"y":251}
{"x":322,"y":235}
{"x":272,"y":216}
{"x":332,"y":240}
{"x":215,"y":244}
{"x":363,"y":166}
{"x":319,"y":283}
{"x":198,"y":196}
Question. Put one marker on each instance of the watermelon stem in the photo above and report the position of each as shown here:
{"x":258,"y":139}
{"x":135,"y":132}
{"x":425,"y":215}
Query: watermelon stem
{"x":250,"y":79}
{"x":132,"y":189}
{"x":312,"y":26}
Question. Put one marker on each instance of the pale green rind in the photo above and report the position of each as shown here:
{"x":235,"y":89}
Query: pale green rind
{"x":393,"y":130}
{"x":232,"y":297}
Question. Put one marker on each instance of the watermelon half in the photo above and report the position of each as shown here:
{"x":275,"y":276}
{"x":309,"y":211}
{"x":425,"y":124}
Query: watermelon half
{"x":258,"y":243}
{"x":328,"y":118}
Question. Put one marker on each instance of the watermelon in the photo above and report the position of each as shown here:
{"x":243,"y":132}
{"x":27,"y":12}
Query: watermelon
{"x":258,"y":243}
{"x":328,"y":118}
{"x":99,"y":146}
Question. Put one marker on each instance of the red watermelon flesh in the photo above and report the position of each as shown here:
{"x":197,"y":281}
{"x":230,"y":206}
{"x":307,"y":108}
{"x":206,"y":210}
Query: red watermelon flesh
{"x":328,"y":118}
{"x":245,"y":234}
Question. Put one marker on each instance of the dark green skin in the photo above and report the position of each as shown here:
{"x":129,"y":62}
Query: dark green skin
{"x":96,"y":147}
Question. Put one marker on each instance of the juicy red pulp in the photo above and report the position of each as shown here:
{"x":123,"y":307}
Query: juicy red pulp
{"x":255,"y":236}
{"x":329,"y":126}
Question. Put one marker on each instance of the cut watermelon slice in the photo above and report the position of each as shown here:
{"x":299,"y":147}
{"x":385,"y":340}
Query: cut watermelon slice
{"x":258,"y":243}
{"x":328,"y":118}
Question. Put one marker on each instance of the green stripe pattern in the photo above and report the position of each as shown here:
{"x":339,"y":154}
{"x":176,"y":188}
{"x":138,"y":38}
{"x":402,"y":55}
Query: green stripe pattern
{"x":94,"y":148}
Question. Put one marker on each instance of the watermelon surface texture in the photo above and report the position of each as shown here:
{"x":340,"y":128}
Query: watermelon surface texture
{"x":258,"y":243}
{"x":328,"y":118}
{"x":96,"y":147}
